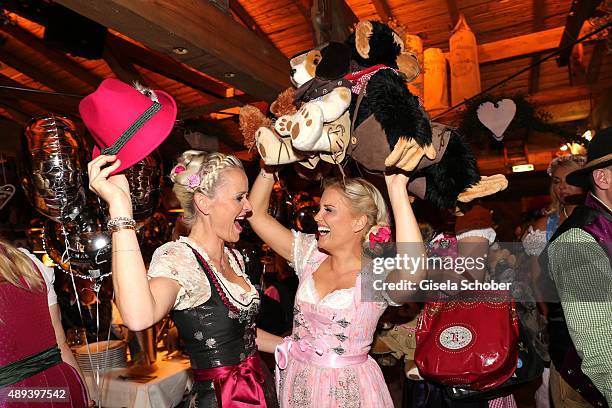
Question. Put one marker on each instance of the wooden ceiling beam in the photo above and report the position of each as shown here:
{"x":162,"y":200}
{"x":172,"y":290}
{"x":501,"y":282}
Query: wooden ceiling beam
{"x":18,"y":115}
{"x":248,"y":21}
{"x":569,"y":94}
{"x":597,"y":62}
{"x":519,"y":46}
{"x":52,"y":103}
{"x":305,"y":11}
{"x":453,"y":12}
{"x":539,"y":12}
{"x":209,"y":108}
{"x":578,"y":14}
{"x":121,"y":66}
{"x":384,"y":11}
{"x":19,"y":64}
{"x":198,"y":34}
{"x":166,"y":66}
{"x":52,"y":55}
{"x":332,"y":20}
{"x":569,"y":111}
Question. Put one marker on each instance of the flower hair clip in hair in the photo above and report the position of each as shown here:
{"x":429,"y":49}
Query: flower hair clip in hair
{"x":193,"y":181}
{"x":179,"y":169}
{"x":577,"y":158}
{"x":379,"y":234}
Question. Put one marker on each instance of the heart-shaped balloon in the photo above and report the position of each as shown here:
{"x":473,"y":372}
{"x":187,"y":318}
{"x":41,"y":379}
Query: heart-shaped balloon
{"x":497,"y":116}
{"x":6,"y":193}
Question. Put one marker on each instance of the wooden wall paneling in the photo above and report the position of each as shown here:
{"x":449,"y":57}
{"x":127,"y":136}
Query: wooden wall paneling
{"x":213,"y":42}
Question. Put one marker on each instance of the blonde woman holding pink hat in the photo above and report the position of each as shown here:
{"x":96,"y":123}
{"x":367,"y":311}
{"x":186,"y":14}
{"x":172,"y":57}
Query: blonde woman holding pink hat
{"x":197,"y":279}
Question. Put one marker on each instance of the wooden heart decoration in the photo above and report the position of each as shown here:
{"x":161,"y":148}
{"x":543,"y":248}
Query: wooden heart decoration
{"x":497,"y":116}
{"x":6,"y":193}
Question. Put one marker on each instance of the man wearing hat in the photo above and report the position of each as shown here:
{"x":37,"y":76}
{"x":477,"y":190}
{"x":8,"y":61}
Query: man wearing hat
{"x":578,"y":262}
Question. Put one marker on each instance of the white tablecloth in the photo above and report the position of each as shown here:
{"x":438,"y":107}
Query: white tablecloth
{"x":166,"y":390}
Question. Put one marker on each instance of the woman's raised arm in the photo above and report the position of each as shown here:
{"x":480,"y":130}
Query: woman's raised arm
{"x":407,"y":236}
{"x":141,"y":302}
{"x":272,"y":232}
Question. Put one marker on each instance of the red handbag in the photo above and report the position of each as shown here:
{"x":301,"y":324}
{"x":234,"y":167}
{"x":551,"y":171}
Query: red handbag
{"x":469,"y":340}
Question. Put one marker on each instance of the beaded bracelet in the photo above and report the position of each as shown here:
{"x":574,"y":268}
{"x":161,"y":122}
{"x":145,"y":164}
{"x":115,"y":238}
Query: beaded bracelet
{"x":119,"y":223}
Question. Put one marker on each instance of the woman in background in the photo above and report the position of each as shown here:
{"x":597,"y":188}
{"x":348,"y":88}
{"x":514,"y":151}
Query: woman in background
{"x":33,"y":349}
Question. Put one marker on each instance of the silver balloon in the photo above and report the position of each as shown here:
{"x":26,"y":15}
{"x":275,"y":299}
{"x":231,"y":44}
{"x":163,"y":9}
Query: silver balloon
{"x":54,"y":167}
{"x":145,"y":179}
{"x":89,"y":245}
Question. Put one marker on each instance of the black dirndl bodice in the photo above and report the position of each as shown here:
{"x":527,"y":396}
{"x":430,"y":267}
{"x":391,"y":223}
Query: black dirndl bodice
{"x":217,"y":333}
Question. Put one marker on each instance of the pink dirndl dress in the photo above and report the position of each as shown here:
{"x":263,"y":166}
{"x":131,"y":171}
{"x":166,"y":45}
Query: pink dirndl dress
{"x":325,"y":362}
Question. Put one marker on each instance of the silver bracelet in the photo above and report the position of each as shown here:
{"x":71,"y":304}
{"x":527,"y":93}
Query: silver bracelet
{"x":119,"y":223}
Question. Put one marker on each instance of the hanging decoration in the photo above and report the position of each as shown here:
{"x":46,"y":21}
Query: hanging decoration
{"x":82,"y":247}
{"x":497,"y":116}
{"x":53,"y":167}
{"x":145,"y":179}
{"x":434,"y":78}
{"x":463,"y":59}
{"x":527,"y":117}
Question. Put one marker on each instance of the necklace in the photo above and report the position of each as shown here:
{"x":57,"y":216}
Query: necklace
{"x":565,"y":212}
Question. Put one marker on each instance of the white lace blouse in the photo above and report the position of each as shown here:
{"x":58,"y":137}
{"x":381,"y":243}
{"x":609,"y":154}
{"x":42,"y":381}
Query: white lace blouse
{"x":306,"y":255}
{"x":175,"y":260}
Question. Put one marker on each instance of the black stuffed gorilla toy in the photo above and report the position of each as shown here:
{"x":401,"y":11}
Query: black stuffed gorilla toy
{"x":384,"y":112}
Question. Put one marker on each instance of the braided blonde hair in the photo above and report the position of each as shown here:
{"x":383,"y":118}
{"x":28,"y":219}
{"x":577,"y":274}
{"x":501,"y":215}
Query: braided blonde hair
{"x":364,"y":198}
{"x":198,"y":171}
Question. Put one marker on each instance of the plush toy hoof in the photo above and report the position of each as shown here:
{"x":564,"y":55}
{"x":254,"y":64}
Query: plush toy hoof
{"x":305,"y":128}
{"x":273,"y":149}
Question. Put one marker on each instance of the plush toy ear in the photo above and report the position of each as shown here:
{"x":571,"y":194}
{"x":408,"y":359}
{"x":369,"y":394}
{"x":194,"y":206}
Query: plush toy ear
{"x":336,"y":61}
{"x":363,"y":31}
{"x":408,"y":65}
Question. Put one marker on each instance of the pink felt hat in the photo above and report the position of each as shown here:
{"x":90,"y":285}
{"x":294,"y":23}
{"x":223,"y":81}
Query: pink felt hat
{"x":126,"y":121}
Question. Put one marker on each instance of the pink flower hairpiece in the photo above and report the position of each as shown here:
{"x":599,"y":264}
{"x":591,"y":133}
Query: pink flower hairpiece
{"x":379,"y":235}
{"x":179,"y":169}
{"x":193,"y":181}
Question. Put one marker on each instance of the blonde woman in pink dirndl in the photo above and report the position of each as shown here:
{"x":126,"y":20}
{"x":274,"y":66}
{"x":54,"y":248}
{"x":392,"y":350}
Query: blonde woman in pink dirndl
{"x":324,"y":363}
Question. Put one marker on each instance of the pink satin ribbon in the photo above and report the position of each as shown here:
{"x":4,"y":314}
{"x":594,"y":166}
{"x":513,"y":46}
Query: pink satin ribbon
{"x":237,"y":386}
{"x":313,"y":353}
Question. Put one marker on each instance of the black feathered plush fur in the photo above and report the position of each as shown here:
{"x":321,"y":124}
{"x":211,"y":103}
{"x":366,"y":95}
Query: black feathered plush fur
{"x":395,"y":108}
{"x":450,"y":176}
{"x":399,"y":114}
